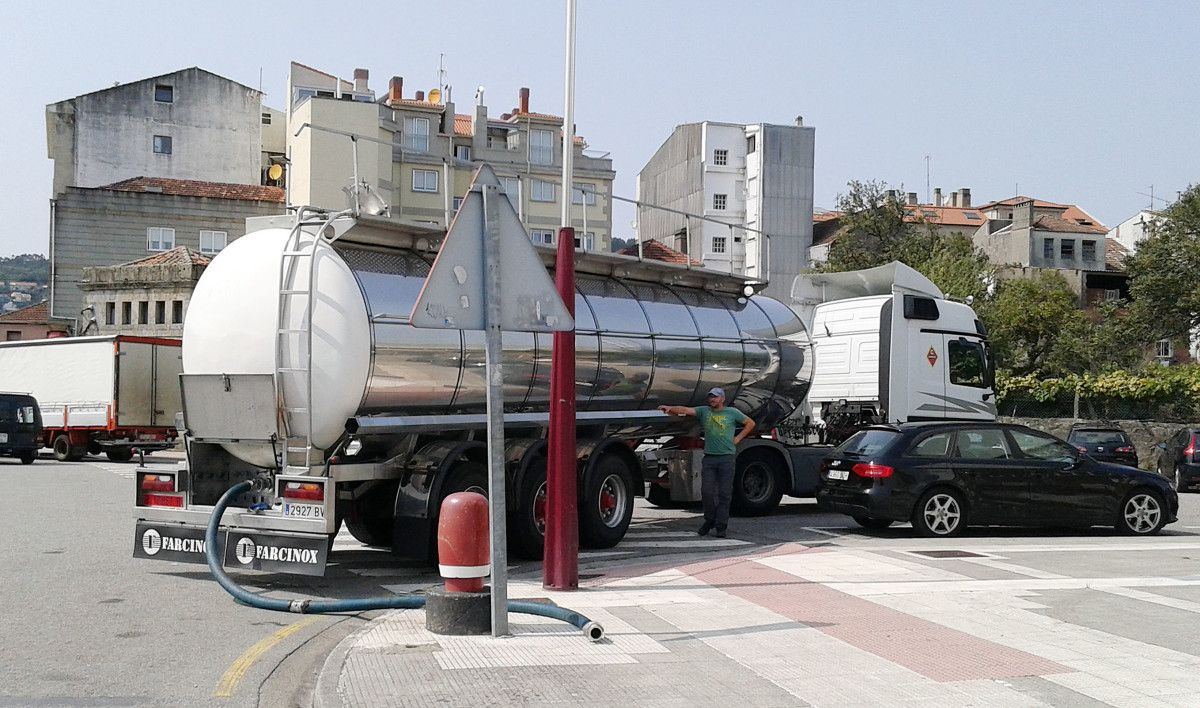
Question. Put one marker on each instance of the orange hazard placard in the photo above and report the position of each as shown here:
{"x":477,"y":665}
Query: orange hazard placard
{"x":932,"y":357}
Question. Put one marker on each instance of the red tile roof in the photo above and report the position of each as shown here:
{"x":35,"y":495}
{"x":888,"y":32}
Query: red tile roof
{"x":947,"y":215}
{"x":1070,"y":211}
{"x":1067,"y":226}
{"x":659,"y":251}
{"x":414,"y":103}
{"x":197,"y":188}
{"x":180,"y":255}
{"x":1114,"y":255}
{"x":517,"y":115}
{"x":462,"y":125}
{"x":34,"y":314}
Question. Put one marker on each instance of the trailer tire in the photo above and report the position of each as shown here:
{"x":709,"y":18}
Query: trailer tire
{"x":607,"y":505}
{"x":529,"y":524}
{"x":756,"y":483}
{"x":370,"y":519}
{"x":28,"y":456}
{"x":372,"y":532}
{"x":119,"y":454}
{"x":64,"y":451}
{"x":660,"y":496}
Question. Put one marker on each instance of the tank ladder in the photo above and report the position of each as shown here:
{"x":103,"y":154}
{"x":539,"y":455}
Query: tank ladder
{"x":297,"y":274}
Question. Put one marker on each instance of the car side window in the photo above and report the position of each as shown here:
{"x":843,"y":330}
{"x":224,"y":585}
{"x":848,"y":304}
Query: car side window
{"x":937,"y":445}
{"x":981,"y":444}
{"x":1042,"y":447}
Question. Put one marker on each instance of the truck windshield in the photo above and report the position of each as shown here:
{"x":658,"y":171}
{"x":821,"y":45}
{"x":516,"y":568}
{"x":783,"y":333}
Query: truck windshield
{"x":867,"y":442}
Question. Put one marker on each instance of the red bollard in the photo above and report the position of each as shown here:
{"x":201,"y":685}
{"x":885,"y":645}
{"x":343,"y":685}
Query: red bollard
{"x":463,"y":551}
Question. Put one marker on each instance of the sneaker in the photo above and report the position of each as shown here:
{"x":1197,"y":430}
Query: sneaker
{"x":720,"y":533}
{"x":705,"y":528}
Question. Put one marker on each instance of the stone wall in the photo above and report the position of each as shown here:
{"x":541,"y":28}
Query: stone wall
{"x":1146,"y":434}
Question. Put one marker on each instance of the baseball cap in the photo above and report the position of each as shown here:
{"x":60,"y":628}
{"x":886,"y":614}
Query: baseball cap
{"x":717,"y":391}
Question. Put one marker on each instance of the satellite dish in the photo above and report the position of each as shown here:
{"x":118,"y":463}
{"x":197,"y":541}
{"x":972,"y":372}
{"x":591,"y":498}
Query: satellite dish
{"x":274,"y":172}
{"x":435,"y":95}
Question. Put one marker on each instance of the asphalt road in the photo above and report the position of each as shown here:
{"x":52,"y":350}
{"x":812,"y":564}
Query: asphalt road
{"x":85,"y":624}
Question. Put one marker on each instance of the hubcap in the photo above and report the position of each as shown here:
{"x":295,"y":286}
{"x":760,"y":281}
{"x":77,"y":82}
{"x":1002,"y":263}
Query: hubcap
{"x":1142,"y":513}
{"x":756,"y":485}
{"x":539,"y":509}
{"x":942,"y":514}
{"x":612,"y":500}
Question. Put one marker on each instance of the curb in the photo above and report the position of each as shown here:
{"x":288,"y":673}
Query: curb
{"x":325,"y":694}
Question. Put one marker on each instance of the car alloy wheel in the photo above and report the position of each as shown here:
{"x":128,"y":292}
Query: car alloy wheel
{"x":1142,"y":513}
{"x":942,"y":514}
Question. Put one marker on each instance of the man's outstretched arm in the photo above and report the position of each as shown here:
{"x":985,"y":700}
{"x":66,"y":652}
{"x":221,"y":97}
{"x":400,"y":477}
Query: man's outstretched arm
{"x":677,"y":410}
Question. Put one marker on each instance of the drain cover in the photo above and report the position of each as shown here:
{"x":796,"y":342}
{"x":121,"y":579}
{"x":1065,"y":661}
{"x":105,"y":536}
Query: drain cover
{"x":948,"y":554}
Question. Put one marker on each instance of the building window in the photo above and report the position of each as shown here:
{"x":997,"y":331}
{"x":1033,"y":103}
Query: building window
{"x":127,"y":313}
{"x":721,"y":157}
{"x":160,"y":239}
{"x":12,"y":335}
{"x":513,"y":140}
{"x":457,"y":203}
{"x":1048,"y":249}
{"x":719,"y":201}
{"x":718,"y":244}
{"x":542,"y":236}
{"x":425,"y":181}
{"x":143,"y":312}
{"x":1089,"y":250}
{"x":213,"y":241}
{"x":584,"y":194}
{"x":512,"y":190}
{"x":177,"y":312}
{"x":162,"y":144}
{"x":541,"y":191}
{"x":1066,"y":249}
{"x":266,"y":119}
{"x":541,"y":147}
{"x":1162,"y":349}
{"x":164,"y":93}
{"x":585,"y":241}
{"x":416,"y":134}
{"x":463,"y":152}
{"x":1112,"y":295}
{"x":110,"y":313}
{"x":751,"y":143}
{"x":160,"y":312}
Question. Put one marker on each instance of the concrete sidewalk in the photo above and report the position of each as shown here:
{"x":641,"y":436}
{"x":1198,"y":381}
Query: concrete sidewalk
{"x":792,"y":625}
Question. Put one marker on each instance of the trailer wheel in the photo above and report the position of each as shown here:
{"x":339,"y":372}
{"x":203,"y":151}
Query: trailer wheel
{"x":28,"y":457}
{"x":607,"y":504}
{"x":756,"y":487}
{"x":370,"y":518}
{"x":372,"y":532}
{"x":119,"y":454}
{"x":529,"y":525}
{"x":64,"y":451}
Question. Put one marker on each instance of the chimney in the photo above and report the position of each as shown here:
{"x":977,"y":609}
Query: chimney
{"x":965,"y":199}
{"x":1022,"y":215}
{"x":360,"y":80}
{"x":523,"y":104}
{"x":954,"y":199}
{"x":420,"y":95}
{"x":912,"y":199}
{"x":890,"y":195}
{"x":937,"y":196}
{"x":396,"y":89}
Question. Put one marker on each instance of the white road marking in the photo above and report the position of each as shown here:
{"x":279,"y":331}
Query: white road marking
{"x":1013,"y":568}
{"x":863,"y":589}
{"x":698,"y":543}
{"x":1177,"y":603}
{"x":814,"y":529}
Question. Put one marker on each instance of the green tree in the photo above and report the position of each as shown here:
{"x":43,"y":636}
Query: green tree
{"x":1026,"y":320}
{"x":1165,"y":273}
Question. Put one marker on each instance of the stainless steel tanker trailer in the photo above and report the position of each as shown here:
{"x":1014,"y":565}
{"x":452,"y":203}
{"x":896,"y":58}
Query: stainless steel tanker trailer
{"x":302,"y":371}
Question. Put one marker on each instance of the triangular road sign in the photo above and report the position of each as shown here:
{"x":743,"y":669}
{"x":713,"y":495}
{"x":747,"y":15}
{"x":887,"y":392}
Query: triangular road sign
{"x":453,"y":294}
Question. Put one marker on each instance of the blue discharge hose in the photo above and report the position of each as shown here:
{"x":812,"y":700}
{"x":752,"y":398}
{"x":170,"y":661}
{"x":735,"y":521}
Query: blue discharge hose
{"x":212,"y":554}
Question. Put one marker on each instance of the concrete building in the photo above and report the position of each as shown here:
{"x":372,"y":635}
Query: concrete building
{"x":132,"y":219}
{"x":1033,"y":233}
{"x":1130,"y":232}
{"x":188,"y":124}
{"x":419,"y":154}
{"x":147,"y":297}
{"x":756,"y":178}
{"x":33,"y":322}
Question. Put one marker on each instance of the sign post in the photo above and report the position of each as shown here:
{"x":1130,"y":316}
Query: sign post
{"x":487,"y":276}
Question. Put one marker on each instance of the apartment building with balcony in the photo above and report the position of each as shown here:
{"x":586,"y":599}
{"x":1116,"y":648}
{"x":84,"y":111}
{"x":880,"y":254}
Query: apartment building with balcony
{"x":420,"y":154}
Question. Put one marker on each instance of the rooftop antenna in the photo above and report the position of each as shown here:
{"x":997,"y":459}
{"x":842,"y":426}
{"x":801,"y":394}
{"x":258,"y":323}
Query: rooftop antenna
{"x":442,"y":74}
{"x":928,"y":194}
{"x":260,"y":79}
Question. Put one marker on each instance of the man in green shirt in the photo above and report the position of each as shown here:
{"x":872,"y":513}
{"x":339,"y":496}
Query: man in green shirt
{"x":720,"y":452}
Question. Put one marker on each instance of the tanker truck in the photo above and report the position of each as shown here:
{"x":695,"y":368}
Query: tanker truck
{"x":302,"y":372}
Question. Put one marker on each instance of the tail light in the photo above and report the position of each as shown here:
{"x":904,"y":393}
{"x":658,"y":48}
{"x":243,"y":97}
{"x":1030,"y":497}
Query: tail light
{"x":310,"y":491}
{"x":170,"y":500}
{"x":158,"y":482}
{"x":872,"y":469}
{"x":1081,"y":448}
{"x":1124,"y":449}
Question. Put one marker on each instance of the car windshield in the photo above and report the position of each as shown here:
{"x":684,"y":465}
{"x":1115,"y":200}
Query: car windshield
{"x":867,"y":442}
{"x":1099,"y":437}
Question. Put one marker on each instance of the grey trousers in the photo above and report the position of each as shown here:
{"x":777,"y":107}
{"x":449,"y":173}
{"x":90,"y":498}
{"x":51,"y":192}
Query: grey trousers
{"x":716,"y":488}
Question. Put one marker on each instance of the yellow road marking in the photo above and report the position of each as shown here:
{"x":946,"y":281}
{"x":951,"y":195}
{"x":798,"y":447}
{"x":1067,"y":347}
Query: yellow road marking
{"x":237,"y":670}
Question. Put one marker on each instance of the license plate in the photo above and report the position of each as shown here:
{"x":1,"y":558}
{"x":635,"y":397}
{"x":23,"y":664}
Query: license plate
{"x":3,"y":437}
{"x":303,"y":511}
{"x":839,"y":474}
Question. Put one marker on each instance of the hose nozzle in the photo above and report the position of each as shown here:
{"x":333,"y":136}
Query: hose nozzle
{"x":593,"y":631}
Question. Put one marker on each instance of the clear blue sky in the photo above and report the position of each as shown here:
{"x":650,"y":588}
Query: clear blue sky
{"x":1081,"y":102}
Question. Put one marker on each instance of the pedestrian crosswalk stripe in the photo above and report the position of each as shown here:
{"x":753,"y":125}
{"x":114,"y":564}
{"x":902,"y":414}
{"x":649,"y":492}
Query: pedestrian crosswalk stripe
{"x":697,"y":543}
